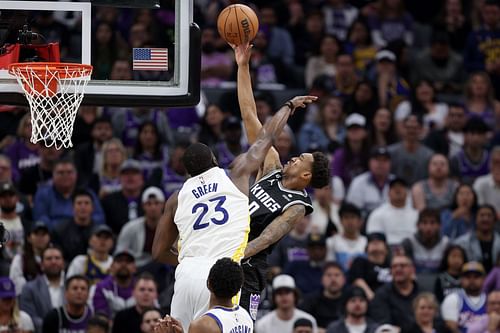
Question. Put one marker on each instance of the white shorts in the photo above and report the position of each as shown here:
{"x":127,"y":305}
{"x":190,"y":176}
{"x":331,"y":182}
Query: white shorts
{"x":191,"y":295}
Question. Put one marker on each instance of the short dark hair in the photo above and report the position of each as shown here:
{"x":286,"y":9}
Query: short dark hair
{"x":76,"y":277}
{"x":476,"y":125}
{"x":148,"y":309}
{"x":349,"y":208}
{"x":146,"y":276}
{"x":225,"y":278}
{"x":332,"y":264}
{"x":429,"y":213}
{"x":197,"y":159}
{"x":65,"y":160}
{"x":81,"y":192}
{"x":99,"y":321}
{"x":490,"y":207}
{"x":102,"y":120}
{"x":52,"y":246}
{"x":320,"y":170}
{"x":417,"y":116}
{"x":443,"y":266}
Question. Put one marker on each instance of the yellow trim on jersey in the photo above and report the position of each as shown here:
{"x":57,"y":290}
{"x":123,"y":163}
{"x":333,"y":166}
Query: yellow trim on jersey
{"x":238,"y":255}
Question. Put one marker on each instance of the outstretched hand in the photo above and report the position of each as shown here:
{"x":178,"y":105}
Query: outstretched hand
{"x":242,"y":53}
{"x":302,"y":101}
{"x":168,"y":325}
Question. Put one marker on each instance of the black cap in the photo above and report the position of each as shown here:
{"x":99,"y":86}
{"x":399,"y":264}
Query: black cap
{"x":354,"y":291}
{"x":131,"y":165}
{"x":476,"y":125}
{"x":440,"y":37}
{"x":316,"y":240}
{"x":302,"y":322}
{"x":380,"y":152}
{"x":398,"y":181}
{"x":102,"y":228}
{"x":123,"y":252}
{"x":7,"y":187}
{"x":374,"y":236}
{"x":39,"y":225}
{"x":231,"y":123}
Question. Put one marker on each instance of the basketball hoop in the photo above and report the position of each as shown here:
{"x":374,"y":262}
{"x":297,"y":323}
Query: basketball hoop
{"x":54,"y":92}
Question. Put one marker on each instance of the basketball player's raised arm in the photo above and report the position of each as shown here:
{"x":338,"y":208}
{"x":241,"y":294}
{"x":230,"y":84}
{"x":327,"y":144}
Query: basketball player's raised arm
{"x":166,"y":234}
{"x":276,"y":230}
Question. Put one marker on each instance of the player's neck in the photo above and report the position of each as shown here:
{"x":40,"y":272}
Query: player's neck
{"x":289,"y":183}
{"x":224,"y":303}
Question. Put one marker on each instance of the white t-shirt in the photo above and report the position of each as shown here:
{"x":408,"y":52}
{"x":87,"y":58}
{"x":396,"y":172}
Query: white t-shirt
{"x":16,"y":237}
{"x":355,"y":328}
{"x":396,"y":223}
{"x":343,"y":250}
{"x":437,"y":118}
{"x":270,"y":323}
{"x":25,"y":323}
{"x":77,"y":266}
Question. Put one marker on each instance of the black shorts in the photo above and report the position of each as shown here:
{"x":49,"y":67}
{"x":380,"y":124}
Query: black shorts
{"x":255,"y":272}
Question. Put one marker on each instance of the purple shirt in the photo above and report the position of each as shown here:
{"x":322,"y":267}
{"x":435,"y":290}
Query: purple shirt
{"x":480,"y":326}
{"x":22,"y":157}
{"x":109,"y":298}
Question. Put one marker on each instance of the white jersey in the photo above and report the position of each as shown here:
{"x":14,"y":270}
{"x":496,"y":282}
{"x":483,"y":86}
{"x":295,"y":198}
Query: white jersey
{"x":212,"y":217}
{"x":235,"y":320}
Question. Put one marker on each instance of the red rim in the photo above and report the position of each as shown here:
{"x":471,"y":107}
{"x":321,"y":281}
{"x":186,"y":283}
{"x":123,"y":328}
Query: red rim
{"x":40,"y":68}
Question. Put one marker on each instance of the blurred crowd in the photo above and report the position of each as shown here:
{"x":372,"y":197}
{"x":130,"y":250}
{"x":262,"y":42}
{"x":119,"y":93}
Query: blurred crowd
{"x":406,"y":237}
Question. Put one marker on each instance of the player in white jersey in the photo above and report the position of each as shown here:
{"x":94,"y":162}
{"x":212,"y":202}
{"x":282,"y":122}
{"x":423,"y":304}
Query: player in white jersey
{"x":224,"y":281}
{"x":210,"y":215}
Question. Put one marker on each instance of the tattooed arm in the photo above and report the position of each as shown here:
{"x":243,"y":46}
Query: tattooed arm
{"x":280,"y":226}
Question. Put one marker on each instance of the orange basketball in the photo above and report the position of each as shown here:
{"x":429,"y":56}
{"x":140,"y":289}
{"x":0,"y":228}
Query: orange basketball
{"x":237,"y":24}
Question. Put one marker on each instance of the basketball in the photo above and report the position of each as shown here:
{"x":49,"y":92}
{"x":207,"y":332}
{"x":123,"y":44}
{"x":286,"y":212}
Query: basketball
{"x":237,"y":24}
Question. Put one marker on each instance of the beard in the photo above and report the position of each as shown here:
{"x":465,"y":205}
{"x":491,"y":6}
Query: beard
{"x":122,"y":274}
{"x":8,"y":208}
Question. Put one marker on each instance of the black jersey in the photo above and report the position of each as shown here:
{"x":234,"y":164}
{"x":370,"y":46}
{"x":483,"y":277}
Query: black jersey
{"x":269,"y":199}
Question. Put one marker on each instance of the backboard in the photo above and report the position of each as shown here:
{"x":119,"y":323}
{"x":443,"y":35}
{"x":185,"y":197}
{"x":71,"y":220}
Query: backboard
{"x":144,"y":52}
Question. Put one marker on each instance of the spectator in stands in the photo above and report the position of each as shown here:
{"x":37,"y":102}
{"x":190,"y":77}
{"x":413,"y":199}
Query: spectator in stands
{"x":137,"y":235}
{"x":473,"y":160}
{"x":457,"y":25}
{"x":149,"y":150}
{"x":339,"y":16}
{"x":363,"y":100}
{"x":349,"y":243}
{"x":74,"y":314}
{"x":123,"y":206}
{"x":114,"y":293}
{"x":98,"y":324}
{"x":355,"y":318}
{"x":307,"y":38}
{"x":82,"y":128}
{"x":390,"y":23}
{"x":359,"y":43}
{"x":325,"y":216}
{"x":13,"y":223}
{"x":490,"y":322}
{"x":307,"y":273}
{"x":422,"y":102}
{"x":107,"y":47}
{"x":53,"y":203}
{"x":107,"y":178}
{"x":483,"y":243}
{"x":44,"y":293}
{"x":326,"y":305}
{"x":211,"y":125}
{"x":480,"y":51}
{"x":372,"y":271}
{"x":448,"y":281}
{"x":459,"y":218}
{"x":22,"y":153}
{"x":89,"y":155}
{"x":350,"y":160}
{"x":73,"y":234}
{"x":409,"y":157}
{"x":426,"y":308}
{"x":5,"y":169}
{"x":382,"y":132}
{"x":291,"y":248}
{"x":280,"y":43}
{"x":324,"y":62}
{"x":437,"y":190}
{"x":393,"y":301}
{"x":174,"y":172}
{"x":450,"y":139}
{"x":36,"y":176}
{"x":231,"y":146}
{"x":462,"y":308}
{"x":145,"y":296}
{"x":480,"y":100}
{"x":439,"y":65}
{"x":13,"y":319}
{"x":265,"y":69}
{"x":150,"y":317}
{"x":345,"y":78}
{"x":216,"y":66}
{"x":327,"y":132}
{"x":302,"y":325}
{"x":96,"y":263}
{"x":487,"y":187}
{"x":285,"y":297}
{"x":26,"y":265}
{"x":371,"y":189}
{"x":121,"y":70}
{"x":395,"y":219}
{"x":392,"y":88}
{"x":426,"y":247}
{"x":285,"y":144}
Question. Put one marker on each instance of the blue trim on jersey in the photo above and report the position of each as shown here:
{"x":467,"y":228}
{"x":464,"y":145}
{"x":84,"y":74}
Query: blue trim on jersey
{"x":227,"y":309}
{"x":214,"y":317}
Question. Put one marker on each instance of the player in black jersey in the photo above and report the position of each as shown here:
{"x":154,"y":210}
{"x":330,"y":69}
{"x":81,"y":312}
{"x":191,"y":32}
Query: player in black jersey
{"x":278,"y":198}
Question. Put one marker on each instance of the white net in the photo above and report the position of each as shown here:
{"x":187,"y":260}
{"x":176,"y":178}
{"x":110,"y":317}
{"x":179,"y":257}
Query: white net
{"x":54,"y":93}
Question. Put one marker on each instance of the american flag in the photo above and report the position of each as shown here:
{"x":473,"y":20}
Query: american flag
{"x":150,"y":59}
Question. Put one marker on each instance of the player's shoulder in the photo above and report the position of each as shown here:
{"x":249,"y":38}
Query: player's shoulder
{"x":205,"y":324}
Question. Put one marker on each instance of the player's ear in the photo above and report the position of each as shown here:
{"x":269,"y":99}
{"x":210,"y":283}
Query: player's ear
{"x":306,"y":175}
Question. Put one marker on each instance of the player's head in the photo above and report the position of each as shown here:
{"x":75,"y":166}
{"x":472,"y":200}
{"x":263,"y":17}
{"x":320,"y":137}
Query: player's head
{"x":225,"y":278}
{"x":309,"y":169}
{"x":198,"y":158}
